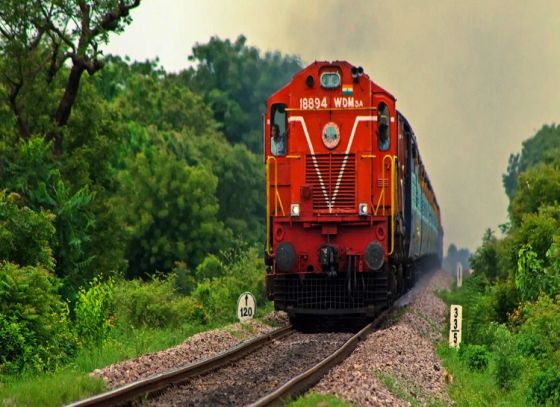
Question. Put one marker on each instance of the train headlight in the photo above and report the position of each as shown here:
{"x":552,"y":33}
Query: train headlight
{"x":295,"y":209}
{"x":374,"y":255}
{"x":285,"y":257}
{"x":363,"y":209}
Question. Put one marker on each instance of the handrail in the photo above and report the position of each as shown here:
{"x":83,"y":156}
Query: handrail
{"x":277,"y":199}
{"x":393,"y":184}
{"x":381,"y":200}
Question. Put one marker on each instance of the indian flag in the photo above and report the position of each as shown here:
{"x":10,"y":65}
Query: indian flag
{"x":347,"y":90}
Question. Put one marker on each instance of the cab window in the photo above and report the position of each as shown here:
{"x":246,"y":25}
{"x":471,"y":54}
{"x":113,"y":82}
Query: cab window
{"x":383,"y":127}
{"x":278,"y":127}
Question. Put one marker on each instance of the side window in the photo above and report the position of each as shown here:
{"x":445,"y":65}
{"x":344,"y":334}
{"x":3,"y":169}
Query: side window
{"x":383,"y":127}
{"x":278,"y":127}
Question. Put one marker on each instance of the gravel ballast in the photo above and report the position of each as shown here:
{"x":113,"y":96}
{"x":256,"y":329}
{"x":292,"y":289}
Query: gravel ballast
{"x":195,"y":348}
{"x":398,"y":364}
{"x":257,"y":374}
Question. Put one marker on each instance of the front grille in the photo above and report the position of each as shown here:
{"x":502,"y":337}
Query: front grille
{"x":319,"y":292}
{"x":333,"y":177}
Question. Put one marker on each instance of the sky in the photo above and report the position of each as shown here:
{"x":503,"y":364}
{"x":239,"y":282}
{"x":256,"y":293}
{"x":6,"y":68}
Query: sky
{"x":474,"y":78}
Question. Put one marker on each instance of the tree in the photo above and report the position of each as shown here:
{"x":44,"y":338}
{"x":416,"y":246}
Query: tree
{"x":172,"y":213}
{"x":537,"y":186}
{"x":235,"y":81}
{"x":544,"y":146}
{"x":37,"y":39}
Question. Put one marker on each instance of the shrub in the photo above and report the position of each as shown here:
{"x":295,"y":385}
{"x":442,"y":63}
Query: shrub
{"x":92,"y":312}
{"x":34,"y":329}
{"x":508,"y":362}
{"x":539,"y":334}
{"x":532,"y":277}
{"x":475,"y":356}
{"x":185,"y":281}
{"x":243,"y":271}
{"x":545,"y":389}
{"x":155,"y":304}
{"x":25,"y":235}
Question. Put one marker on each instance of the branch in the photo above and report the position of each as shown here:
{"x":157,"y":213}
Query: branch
{"x":110,"y":20}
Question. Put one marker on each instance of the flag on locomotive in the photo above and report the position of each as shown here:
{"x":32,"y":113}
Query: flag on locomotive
{"x":351,"y":212}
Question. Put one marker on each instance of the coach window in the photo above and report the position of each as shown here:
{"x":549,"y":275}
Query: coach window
{"x":383,"y":127}
{"x":278,"y":125}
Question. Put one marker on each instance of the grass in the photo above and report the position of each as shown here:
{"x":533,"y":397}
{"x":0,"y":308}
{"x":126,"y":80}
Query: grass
{"x":394,"y":387}
{"x":315,"y":400}
{"x":477,"y":388}
{"x":72,"y":382}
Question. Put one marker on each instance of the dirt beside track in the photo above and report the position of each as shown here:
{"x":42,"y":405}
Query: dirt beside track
{"x":397,"y":365}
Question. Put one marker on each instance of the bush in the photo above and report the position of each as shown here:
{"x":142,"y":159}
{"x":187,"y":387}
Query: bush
{"x":539,"y":334}
{"x":155,"y":304}
{"x":475,"y":356}
{"x":508,"y":362}
{"x":25,"y":235}
{"x":185,"y":281}
{"x":92,"y":312}
{"x":545,"y":389}
{"x":243,"y":271}
{"x":34,"y":328}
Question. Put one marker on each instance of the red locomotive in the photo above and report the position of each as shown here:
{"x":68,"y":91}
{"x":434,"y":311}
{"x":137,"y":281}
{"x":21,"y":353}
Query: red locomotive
{"x":350,"y":208}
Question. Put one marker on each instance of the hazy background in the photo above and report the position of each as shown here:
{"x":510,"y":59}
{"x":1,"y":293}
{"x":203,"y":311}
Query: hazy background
{"x":474,"y":78}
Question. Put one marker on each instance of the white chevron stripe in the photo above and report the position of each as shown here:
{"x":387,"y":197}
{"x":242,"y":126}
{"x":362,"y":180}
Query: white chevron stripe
{"x":310,"y":144}
{"x":358,"y":119}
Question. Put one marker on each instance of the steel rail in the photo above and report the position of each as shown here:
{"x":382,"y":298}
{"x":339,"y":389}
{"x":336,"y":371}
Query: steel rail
{"x":161,"y":381}
{"x":305,"y":380}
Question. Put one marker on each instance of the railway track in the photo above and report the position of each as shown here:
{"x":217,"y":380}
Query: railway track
{"x":260,"y":372}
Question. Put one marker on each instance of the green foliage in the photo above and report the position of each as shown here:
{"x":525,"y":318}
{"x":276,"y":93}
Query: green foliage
{"x":158,"y":101}
{"x":537,"y":187}
{"x":243,"y":271}
{"x":476,"y":299}
{"x":539,"y":331}
{"x":477,"y":388}
{"x":533,"y":279}
{"x":485,"y":259}
{"x":545,"y":390}
{"x":505,"y":299}
{"x":508,"y":363}
{"x":236,"y":80}
{"x":211,"y":267}
{"x":172,"y":212}
{"x":155,"y":304}
{"x":25,"y":235}
{"x":92,"y":312}
{"x":34,"y":329}
{"x":476,"y":357}
{"x":185,"y":280}
{"x":542,"y":147}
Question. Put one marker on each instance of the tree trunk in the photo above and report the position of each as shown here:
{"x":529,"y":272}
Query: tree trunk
{"x":65,"y":106}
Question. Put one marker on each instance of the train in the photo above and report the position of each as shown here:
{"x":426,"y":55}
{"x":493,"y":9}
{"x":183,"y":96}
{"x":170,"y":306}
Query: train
{"x":351,"y":214}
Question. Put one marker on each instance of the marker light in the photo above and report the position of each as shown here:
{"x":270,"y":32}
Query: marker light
{"x":363,"y":209}
{"x":295,"y":209}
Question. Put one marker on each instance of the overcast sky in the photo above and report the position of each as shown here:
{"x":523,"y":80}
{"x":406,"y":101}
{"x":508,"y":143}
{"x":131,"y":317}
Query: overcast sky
{"x":474,"y":78}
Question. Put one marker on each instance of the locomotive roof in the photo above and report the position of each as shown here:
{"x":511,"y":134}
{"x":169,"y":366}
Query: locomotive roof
{"x":345,"y":65}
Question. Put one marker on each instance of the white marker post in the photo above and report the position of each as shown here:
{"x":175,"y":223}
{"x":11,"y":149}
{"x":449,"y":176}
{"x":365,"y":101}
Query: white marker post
{"x":246,"y":307}
{"x":459,"y":274}
{"x":455,"y":322}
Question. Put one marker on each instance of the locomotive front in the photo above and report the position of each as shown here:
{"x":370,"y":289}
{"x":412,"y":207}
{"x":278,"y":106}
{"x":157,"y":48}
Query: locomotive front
{"x":330,"y":151}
